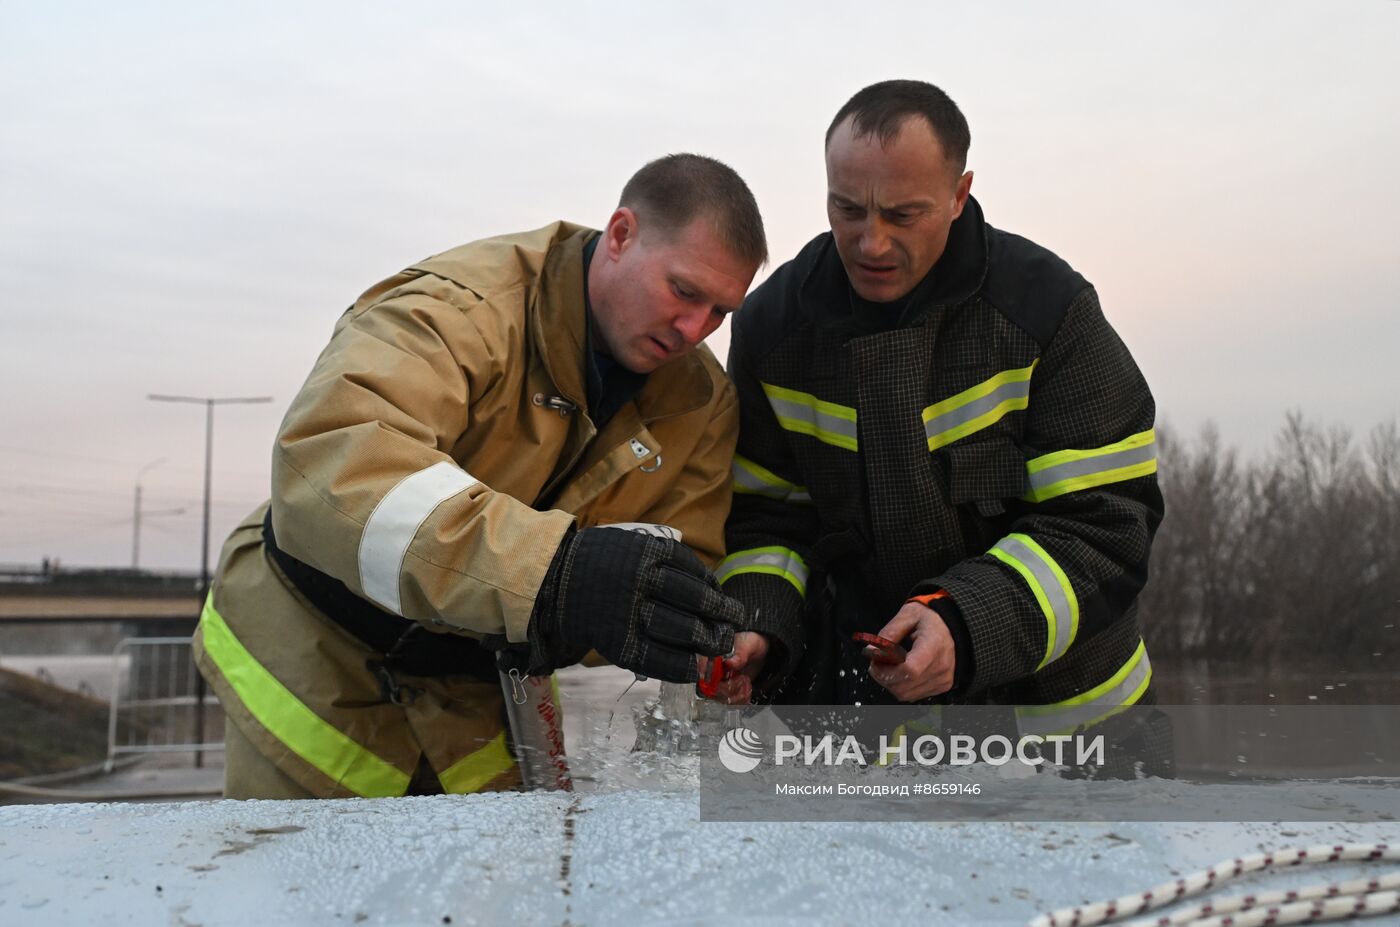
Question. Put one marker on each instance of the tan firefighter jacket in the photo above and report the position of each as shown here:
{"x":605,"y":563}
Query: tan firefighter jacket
{"x":432,"y":462}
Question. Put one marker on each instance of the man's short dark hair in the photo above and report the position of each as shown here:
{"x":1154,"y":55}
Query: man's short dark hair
{"x":881,"y":109}
{"x":673,"y":191}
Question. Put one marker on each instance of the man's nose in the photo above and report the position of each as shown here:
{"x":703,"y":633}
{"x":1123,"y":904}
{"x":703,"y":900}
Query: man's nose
{"x":874,"y":239}
{"x":692,"y":325}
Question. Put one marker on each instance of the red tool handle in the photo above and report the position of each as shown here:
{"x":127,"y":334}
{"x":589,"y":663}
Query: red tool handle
{"x":719,"y":672}
{"x":880,"y":649}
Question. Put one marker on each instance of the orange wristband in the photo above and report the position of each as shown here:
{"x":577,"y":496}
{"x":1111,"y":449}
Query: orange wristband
{"x":927,"y":600}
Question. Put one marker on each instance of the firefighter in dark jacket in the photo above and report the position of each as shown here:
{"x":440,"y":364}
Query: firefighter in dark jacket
{"x":943,"y":442}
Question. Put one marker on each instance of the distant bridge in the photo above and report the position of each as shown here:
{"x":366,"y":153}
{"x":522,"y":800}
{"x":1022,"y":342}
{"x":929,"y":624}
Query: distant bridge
{"x":55,"y":609}
{"x":52,"y":596}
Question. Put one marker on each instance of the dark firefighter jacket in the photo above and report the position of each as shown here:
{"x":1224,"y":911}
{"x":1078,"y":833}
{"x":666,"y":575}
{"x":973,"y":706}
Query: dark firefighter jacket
{"x":994,"y":441}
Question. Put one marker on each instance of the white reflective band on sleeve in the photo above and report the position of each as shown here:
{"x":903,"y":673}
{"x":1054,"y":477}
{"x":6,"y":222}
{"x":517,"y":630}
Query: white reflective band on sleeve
{"x":395,"y":522}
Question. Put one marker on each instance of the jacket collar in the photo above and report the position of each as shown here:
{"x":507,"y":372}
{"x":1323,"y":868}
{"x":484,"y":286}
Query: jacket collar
{"x":557,"y":323}
{"x":557,"y":317}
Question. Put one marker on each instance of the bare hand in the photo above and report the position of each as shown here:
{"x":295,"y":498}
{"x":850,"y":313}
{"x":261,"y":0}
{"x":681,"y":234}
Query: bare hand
{"x":744,"y":665}
{"x":928,"y":670}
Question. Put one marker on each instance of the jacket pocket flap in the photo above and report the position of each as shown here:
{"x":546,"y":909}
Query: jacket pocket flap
{"x":986,"y":470}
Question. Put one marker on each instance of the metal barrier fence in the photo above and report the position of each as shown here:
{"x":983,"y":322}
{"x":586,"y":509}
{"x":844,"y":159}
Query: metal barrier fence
{"x":160,"y":703}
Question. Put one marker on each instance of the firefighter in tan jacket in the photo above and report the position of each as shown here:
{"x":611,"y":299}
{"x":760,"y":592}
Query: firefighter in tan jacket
{"x":440,"y":481}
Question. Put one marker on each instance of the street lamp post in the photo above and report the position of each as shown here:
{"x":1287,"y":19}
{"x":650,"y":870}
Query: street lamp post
{"x":136,"y":514}
{"x":209,"y":402}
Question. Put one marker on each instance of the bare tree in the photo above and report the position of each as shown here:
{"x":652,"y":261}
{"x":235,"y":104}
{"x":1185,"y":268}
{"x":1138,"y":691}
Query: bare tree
{"x":1287,"y":564}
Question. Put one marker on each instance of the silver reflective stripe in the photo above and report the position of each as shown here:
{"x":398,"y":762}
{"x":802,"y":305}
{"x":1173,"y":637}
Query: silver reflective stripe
{"x":395,"y":522}
{"x":1066,"y":471}
{"x":979,"y":407}
{"x":1049,"y":585}
{"x":805,"y":414}
{"x":647,"y":527}
{"x":1099,"y":704}
{"x":751,"y":478}
{"x":775,"y":561}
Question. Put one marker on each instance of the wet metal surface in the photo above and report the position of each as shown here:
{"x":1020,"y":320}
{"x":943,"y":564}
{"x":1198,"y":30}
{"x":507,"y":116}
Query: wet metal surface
{"x":553,"y":858}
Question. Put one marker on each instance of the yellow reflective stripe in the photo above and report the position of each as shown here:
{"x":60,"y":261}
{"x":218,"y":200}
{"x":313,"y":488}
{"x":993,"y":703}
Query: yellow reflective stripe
{"x":476,"y":770}
{"x":977,"y":407}
{"x":775,"y":561}
{"x":304,"y":732}
{"x":1050,"y":586}
{"x":805,"y":414}
{"x":750,"y":477}
{"x":1069,"y":470}
{"x":1120,"y":691}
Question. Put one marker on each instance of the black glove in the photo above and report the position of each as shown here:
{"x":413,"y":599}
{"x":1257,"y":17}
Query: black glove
{"x":646,"y":603}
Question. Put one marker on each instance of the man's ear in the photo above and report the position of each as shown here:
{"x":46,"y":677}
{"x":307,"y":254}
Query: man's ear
{"x":621,"y":232}
{"x":960,"y":193}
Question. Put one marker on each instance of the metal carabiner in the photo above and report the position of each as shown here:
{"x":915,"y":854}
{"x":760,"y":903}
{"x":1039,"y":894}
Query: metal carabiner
{"x":558,"y":403}
{"x":517,"y":687}
{"x":389,"y":687}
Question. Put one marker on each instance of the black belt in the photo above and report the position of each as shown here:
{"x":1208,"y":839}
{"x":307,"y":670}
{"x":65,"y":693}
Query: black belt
{"x":406,"y":646}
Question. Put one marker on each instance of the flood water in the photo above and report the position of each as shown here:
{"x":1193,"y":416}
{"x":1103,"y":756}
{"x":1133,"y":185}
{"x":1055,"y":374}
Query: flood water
{"x":1226,"y":682}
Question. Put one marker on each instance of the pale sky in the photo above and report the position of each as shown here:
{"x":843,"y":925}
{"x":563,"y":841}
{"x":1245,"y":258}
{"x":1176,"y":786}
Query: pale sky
{"x":191,"y":197}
